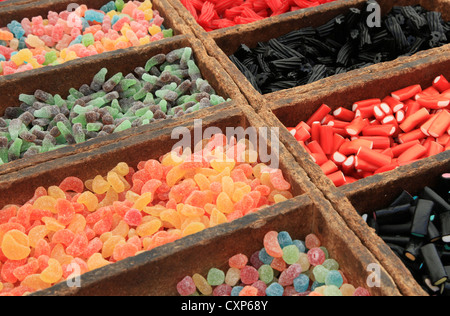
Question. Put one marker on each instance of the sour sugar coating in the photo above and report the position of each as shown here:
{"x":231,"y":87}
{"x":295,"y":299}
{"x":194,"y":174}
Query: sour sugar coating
{"x":107,"y":104}
{"x":58,"y":37}
{"x":254,"y":278}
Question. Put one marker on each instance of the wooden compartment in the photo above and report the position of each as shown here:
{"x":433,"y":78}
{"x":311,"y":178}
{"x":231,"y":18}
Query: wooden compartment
{"x":364,"y":194}
{"x":157,"y":272}
{"x":224,"y":42}
{"x":59,"y":79}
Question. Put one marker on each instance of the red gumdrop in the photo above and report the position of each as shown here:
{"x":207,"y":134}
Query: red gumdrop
{"x":316,"y":256}
{"x":277,"y":180}
{"x":72,"y":184}
{"x":151,"y":185}
{"x":186,"y":286}
{"x":95,"y":245}
{"x":261,"y":286}
{"x":238,"y":261}
{"x":7,"y":213}
{"x":249,"y":275}
{"x":36,"y":214}
{"x":78,"y":245}
{"x":124,"y":251}
{"x":272,"y":246}
{"x":287,"y":276}
{"x":8,"y":268}
{"x":42,"y":248}
{"x":27,"y":269}
{"x":360,"y":291}
{"x":198,"y":199}
{"x":104,"y":225}
{"x":154,"y":168}
{"x":133,"y":217}
{"x":222,"y":290}
{"x":254,"y":260}
{"x":64,"y":237}
{"x":289,"y":291}
{"x":43,"y":261}
{"x":65,"y":210}
{"x":312,"y":241}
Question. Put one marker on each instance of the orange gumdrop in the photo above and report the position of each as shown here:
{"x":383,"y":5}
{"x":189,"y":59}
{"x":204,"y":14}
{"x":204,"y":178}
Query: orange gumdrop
{"x":16,"y":245}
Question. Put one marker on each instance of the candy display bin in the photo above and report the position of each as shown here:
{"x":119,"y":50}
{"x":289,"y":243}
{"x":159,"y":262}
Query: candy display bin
{"x":225,"y":42}
{"x":157,"y":272}
{"x":55,"y":81}
{"x":364,"y":193}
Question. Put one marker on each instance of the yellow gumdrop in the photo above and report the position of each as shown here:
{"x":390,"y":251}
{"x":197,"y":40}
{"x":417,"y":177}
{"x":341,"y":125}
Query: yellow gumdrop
{"x":224,"y":203}
{"x":249,"y":156}
{"x":110,"y":197}
{"x":148,"y":228}
{"x":115,"y":182}
{"x":174,"y":175}
{"x":22,"y":56}
{"x":100,"y":185}
{"x":192,"y":211}
{"x":154,"y":210}
{"x":89,"y":199}
{"x":143,"y":201}
{"x":217,"y":218}
{"x":16,"y":245}
{"x":228,"y":186}
{"x":45,"y":203}
{"x":78,"y":223}
{"x":220,"y":164}
{"x":96,"y":261}
{"x":193,"y":228}
{"x":110,"y":244}
{"x":171,"y":159}
{"x":56,"y":193}
{"x":202,"y":182}
{"x":52,"y":224}
{"x":122,"y":169}
{"x":278,"y":198}
{"x":34,"y":282}
{"x":148,"y":14}
{"x":144,"y":40}
{"x":36,"y":233}
{"x":218,"y":178}
{"x":53,"y":273}
{"x":154,"y":29}
{"x":132,"y":196}
{"x":146,"y":5}
{"x":59,"y":253}
{"x":121,"y":229}
{"x":171,"y":217}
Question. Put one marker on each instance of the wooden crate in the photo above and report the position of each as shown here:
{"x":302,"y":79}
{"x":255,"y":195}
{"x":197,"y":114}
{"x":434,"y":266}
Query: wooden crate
{"x":225,"y":42}
{"x":157,"y":272}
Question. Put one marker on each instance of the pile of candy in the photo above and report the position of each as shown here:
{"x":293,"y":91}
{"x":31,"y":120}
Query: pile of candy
{"x":418,"y":231}
{"x":109,"y":218}
{"x":213,"y":15}
{"x":68,"y":35}
{"x":378,"y":135}
{"x":283,"y":267}
{"x":168,"y":86}
{"x":343,"y":44}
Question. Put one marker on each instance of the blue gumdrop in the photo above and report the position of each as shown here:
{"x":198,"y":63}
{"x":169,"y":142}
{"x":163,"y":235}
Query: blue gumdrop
{"x":22,"y":43}
{"x":275,"y":289}
{"x":2,"y":58}
{"x":300,"y":245}
{"x":301,"y":283}
{"x":334,"y":278}
{"x":16,"y":28}
{"x":77,"y":40}
{"x":84,"y":24}
{"x":114,"y":20}
{"x":110,"y":6}
{"x":264,"y":257}
{"x":236,"y":290}
{"x":92,"y":16}
{"x":315,"y":285}
{"x":284,"y":239}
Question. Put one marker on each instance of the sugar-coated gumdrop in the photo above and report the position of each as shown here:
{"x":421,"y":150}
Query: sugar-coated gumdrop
{"x":186,"y":286}
{"x":316,"y":256}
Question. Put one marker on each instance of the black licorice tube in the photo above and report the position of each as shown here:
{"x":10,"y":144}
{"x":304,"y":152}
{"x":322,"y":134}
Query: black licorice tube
{"x":421,"y":219}
{"x":393,"y":215}
{"x":412,"y":249}
{"x":396,"y":240}
{"x":444,"y":187}
{"x":393,"y":230}
{"x":445,"y":226}
{"x":440,"y":205}
{"x":404,"y":198}
{"x":433,"y":264}
{"x":433,"y":233}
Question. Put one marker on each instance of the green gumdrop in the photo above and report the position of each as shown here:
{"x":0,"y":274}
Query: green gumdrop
{"x":320,"y":273}
{"x":291,"y":254}
{"x":123,"y":126}
{"x":332,"y":290}
{"x":331,"y":264}
{"x":167,"y":33}
{"x":27,"y":99}
{"x":266,"y":273}
{"x":50,"y":57}
{"x":325,"y":250}
{"x":88,"y":39}
{"x":215,"y":277}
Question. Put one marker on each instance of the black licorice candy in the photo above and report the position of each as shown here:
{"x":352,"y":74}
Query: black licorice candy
{"x":393,"y":230}
{"x":412,"y":249}
{"x":393,"y":215}
{"x":441,"y":205}
{"x":433,"y":233}
{"x":404,"y":198}
{"x":421,"y":219}
{"x":433,"y":264}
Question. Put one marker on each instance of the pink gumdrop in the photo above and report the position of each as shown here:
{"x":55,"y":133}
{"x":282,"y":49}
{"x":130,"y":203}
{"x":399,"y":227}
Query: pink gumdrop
{"x":57,"y":32}
{"x":73,"y":20}
{"x":238,"y":261}
{"x":186,"y":286}
{"x":133,"y":217}
{"x":222,"y":290}
{"x":138,"y":15}
{"x":158,"y":20}
{"x":249,"y":275}
{"x":360,"y":291}
{"x":272,"y":245}
{"x":106,"y":25}
{"x":316,"y":256}
{"x":75,"y":32}
{"x":261,"y":287}
{"x":26,"y":25}
{"x":48,"y":41}
{"x":64,"y":15}
{"x":157,"y":37}
{"x":8,"y":71}
{"x":287,"y":276}
{"x":48,"y":29}
{"x":52,"y":17}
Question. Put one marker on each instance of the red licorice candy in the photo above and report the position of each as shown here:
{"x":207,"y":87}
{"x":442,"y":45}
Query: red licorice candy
{"x":378,"y":135}
{"x":217,"y":14}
